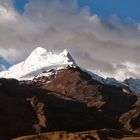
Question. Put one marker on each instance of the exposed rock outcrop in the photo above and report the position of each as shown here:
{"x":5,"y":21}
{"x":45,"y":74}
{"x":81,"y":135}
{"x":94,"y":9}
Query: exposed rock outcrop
{"x":104,"y":134}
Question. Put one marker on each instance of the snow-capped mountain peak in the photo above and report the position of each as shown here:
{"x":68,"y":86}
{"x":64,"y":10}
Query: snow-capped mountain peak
{"x":38,"y":51}
{"x":38,"y":61}
{"x":42,"y":57}
{"x":42,"y":62}
{"x":65,"y":52}
{"x":70,"y":59}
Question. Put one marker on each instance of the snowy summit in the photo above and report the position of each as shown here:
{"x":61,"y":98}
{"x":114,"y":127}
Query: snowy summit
{"x":38,"y":61}
{"x":41,"y":60}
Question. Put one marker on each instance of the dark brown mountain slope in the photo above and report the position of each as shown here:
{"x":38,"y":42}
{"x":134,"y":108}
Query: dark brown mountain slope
{"x":69,"y":101}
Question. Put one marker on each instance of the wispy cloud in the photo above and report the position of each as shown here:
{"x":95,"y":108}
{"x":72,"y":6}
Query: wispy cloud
{"x":57,"y":24}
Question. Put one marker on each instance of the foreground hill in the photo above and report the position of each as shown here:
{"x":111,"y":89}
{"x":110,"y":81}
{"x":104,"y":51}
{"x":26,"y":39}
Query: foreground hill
{"x":68,"y":100}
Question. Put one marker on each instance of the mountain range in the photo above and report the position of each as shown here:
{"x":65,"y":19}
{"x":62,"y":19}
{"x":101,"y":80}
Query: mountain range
{"x":41,"y":60}
{"x":49,"y":97}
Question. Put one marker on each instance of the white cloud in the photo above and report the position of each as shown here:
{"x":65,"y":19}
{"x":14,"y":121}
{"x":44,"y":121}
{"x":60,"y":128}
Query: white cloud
{"x":121,"y":71}
{"x":58,"y":24}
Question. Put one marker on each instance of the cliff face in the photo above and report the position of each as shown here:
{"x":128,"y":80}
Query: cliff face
{"x":66,"y":101}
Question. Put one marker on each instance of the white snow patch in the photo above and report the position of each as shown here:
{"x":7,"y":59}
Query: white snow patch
{"x":39,"y":60}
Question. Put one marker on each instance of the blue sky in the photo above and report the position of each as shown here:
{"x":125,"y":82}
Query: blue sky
{"x":126,"y":10}
{"x":19,"y":4}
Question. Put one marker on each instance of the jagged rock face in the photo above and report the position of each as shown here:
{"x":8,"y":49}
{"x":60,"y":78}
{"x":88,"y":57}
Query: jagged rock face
{"x":78,"y":85}
{"x":110,"y":101}
{"x":67,"y":101}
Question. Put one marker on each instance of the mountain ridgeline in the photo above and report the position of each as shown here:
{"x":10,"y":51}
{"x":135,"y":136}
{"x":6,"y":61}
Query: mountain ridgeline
{"x":48,"y":96}
{"x":41,"y":60}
